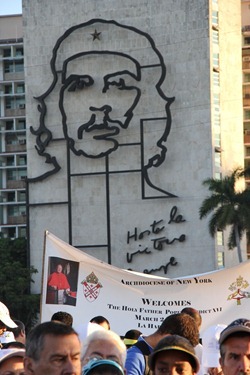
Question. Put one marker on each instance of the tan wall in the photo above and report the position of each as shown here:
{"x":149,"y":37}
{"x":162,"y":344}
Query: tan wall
{"x":245,"y":12}
{"x":11,"y":27}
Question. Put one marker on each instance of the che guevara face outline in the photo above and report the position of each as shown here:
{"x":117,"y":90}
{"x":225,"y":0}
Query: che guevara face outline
{"x":101,"y":121}
{"x":65,"y":51}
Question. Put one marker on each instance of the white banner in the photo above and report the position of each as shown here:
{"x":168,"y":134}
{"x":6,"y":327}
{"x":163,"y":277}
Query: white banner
{"x":131,"y":300}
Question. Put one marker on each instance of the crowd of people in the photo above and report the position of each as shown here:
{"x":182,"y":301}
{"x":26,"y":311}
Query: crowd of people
{"x":175,"y":348}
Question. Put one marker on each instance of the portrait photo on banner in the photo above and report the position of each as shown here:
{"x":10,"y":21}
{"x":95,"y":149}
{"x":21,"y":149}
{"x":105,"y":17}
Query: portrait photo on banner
{"x":62,"y":281}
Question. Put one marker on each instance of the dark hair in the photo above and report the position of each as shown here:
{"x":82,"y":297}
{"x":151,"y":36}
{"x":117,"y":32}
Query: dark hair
{"x":130,"y":336}
{"x":20,"y":328}
{"x":180,"y":324}
{"x":194,"y":314}
{"x":13,"y":345}
{"x":63,"y":317}
{"x":100,"y":319}
{"x":35,"y":338}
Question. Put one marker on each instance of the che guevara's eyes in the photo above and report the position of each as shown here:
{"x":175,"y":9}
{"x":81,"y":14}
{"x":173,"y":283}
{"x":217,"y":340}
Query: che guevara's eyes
{"x":79,"y":83}
{"x":119,"y":83}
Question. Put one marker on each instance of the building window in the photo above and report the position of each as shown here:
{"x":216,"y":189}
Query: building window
{"x":12,"y":211}
{"x":215,"y":36}
{"x":246,"y":114}
{"x":22,"y":232}
{"x":216,"y":98}
{"x":246,"y":77}
{"x":220,"y":259}
{"x":246,"y":92}
{"x":11,"y":175}
{"x":9,"y":125}
{"x":21,"y":125}
{"x":8,"y":67}
{"x":19,"y":51}
{"x":247,"y":151}
{"x":247,"y":41}
{"x":216,"y":79}
{"x":10,"y":103}
{"x":19,"y":67}
{"x":22,"y":174}
{"x":246,"y":62}
{"x":10,"y":161}
{"x":22,"y":196}
{"x":22,"y":160}
{"x":12,"y":233}
{"x":20,"y":103}
{"x":220,"y":238}
{"x":217,"y":159}
{"x":216,"y":60}
{"x":217,"y":139}
{"x":11,"y":197}
{"x":11,"y":139}
{"x":7,"y":52}
{"x":20,"y":88}
{"x":8,"y":89}
{"x":215,"y":17}
{"x":22,"y":210}
{"x":11,"y":66}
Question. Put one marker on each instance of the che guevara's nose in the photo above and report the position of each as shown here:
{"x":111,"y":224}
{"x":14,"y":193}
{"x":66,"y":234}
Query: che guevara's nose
{"x":105,"y":109}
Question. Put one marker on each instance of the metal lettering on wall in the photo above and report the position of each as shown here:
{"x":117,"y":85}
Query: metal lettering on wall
{"x":159,"y":241}
{"x":97,"y":106}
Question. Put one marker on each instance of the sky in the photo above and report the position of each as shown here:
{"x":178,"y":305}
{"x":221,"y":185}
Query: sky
{"x":10,"y":7}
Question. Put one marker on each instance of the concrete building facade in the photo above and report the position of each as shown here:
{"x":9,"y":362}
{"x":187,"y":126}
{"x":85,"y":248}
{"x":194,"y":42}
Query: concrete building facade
{"x":131,"y":106}
{"x":13,"y":159}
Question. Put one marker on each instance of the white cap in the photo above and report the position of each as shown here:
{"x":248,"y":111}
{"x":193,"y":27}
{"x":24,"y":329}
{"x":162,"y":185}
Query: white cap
{"x":8,"y":353}
{"x":210,"y":343}
{"x":5,"y":316}
{"x":86,"y":329}
{"x":7,"y":336}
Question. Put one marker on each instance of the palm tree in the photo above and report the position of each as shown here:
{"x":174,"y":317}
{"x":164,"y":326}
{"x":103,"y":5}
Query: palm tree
{"x":228,"y":207}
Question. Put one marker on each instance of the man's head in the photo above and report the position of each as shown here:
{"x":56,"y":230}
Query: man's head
{"x":235,"y":348}
{"x":63,"y":317}
{"x":104,"y":344}
{"x":174,"y":355}
{"x":11,"y":361}
{"x":19,"y":332}
{"x":194,"y":314}
{"x":52,"y":348}
{"x":131,"y":337}
{"x":101,"y":320}
{"x":59,"y":268}
{"x":180,"y":324}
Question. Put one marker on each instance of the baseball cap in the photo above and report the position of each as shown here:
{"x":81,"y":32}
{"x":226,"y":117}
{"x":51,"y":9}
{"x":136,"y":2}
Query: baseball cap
{"x":174,"y":342}
{"x":5,"y":316}
{"x":8,"y":353}
{"x":102,"y":365}
{"x":6,"y":337}
{"x":131,"y":337}
{"x":238,"y":325}
{"x":210,"y":345}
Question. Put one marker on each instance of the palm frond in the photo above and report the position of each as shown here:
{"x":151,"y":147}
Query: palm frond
{"x":227,"y":206}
